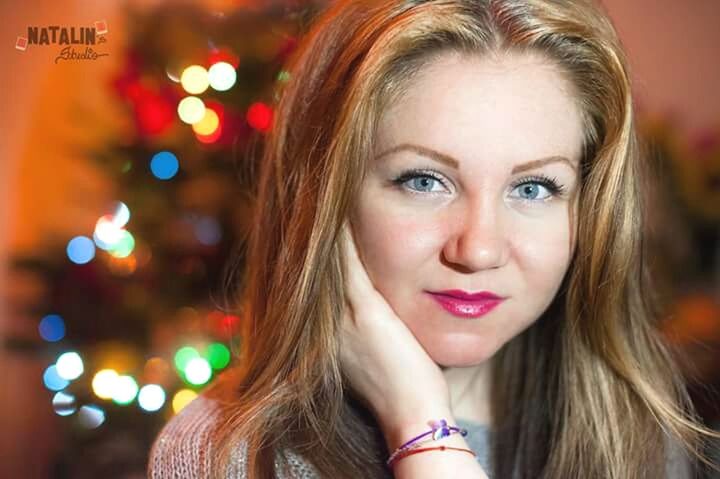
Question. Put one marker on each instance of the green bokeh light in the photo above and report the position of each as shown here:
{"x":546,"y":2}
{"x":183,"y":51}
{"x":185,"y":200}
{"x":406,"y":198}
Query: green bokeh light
{"x":183,"y":356}
{"x":218,"y":355}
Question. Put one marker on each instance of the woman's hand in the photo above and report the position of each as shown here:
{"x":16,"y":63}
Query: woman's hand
{"x":381,"y":357}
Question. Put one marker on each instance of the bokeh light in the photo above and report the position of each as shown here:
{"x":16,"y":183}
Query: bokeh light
{"x":222,"y":76}
{"x":91,"y":416}
{"x":173,"y":73}
{"x":151,"y":397}
{"x":126,"y":389}
{"x":223,"y":54}
{"x":52,"y":328}
{"x":107,"y":233}
{"x":218,"y":355}
{"x":259,"y":116}
{"x":156,"y":370}
{"x":81,"y":250}
{"x":191,"y":109}
{"x":209,"y":124}
{"x":184,"y":355}
{"x":207,"y":230}
{"x":104,"y":383}
{"x":198,"y":371}
{"x":124,"y":246}
{"x":64,"y":403}
{"x":52,"y":379}
{"x":122,"y":266}
{"x":182,"y":398}
{"x":164,"y":165}
{"x":120,"y":214}
{"x":194,"y":79}
{"x":70,"y":365}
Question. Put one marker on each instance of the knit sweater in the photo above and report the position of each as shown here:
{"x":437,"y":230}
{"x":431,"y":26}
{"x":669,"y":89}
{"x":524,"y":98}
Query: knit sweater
{"x":181,"y":448}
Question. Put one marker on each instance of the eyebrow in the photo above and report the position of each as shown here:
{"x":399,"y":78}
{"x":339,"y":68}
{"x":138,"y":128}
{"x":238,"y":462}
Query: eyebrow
{"x":453,"y":163}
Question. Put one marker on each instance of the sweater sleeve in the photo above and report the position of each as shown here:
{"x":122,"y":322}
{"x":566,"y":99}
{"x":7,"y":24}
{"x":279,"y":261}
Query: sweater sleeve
{"x":183,"y":448}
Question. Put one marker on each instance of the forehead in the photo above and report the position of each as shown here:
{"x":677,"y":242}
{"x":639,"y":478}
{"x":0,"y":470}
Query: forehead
{"x":513,"y":107}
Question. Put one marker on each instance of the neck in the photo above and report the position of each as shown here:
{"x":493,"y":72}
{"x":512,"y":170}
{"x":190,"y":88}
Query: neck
{"x":470,"y":392}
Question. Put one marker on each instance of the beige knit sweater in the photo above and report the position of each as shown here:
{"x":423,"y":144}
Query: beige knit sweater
{"x":181,"y":448}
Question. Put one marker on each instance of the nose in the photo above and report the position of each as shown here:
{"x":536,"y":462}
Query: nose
{"x":479,"y":240}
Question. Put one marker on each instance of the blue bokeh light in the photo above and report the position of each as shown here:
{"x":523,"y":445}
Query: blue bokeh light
{"x":52,"y":328}
{"x":164,"y":165}
{"x":52,"y":379}
{"x":81,"y":250}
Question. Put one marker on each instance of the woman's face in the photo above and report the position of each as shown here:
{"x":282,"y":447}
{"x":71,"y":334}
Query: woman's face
{"x":497,"y":143}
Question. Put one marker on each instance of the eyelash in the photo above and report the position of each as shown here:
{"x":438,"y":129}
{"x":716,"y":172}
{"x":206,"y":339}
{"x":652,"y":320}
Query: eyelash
{"x":550,"y":183}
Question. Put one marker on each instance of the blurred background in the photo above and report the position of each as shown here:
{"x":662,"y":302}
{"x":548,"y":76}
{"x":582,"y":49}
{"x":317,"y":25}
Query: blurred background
{"x":128,"y":137}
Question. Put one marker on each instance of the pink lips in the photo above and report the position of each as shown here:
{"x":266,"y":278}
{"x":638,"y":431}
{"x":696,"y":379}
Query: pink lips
{"x":466,"y":305}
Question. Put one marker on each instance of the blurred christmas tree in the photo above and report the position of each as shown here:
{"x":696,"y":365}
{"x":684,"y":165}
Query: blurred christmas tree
{"x":683,"y":249}
{"x":134,"y":321}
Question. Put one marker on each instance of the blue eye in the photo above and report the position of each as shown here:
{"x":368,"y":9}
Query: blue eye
{"x":532,"y":191}
{"x":532,"y":188}
{"x":533,"y":185}
{"x":420,"y":181}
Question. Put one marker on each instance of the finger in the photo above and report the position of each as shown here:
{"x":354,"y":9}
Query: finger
{"x":357,"y":279}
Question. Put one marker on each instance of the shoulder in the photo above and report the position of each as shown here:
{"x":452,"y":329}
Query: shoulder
{"x":183,"y":447}
{"x":677,"y":462}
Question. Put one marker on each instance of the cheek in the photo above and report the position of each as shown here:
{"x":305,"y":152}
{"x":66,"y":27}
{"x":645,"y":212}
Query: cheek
{"x":394,"y":244}
{"x":543,"y":254}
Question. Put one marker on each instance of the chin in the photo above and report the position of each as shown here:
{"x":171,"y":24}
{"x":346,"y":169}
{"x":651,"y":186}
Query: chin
{"x":459,"y":357}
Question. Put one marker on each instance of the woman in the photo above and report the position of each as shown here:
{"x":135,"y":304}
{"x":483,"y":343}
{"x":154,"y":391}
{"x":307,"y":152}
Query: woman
{"x":448,"y":227}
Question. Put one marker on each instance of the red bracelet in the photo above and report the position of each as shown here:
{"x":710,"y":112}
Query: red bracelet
{"x":423,"y":449}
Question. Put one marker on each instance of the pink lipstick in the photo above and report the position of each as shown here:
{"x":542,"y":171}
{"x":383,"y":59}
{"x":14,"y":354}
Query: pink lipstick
{"x":466,"y":305}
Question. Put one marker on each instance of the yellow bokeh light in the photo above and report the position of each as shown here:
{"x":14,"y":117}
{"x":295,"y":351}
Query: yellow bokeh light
{"x":104,"y":382}
{"x":208,"y":124}
{"x":194,"y":79}
{"x":191,"y":109}
{"x":182,"y":398}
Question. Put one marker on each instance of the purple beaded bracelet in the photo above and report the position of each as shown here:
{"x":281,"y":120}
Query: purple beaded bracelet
{"x":439,"y":430}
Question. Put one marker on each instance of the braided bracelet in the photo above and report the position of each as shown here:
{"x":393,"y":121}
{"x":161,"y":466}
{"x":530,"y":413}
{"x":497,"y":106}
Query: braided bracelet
{"x":410,"y":452}
{"x":440,"y":429}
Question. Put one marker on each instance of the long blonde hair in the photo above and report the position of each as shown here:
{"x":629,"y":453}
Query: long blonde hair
{"x":589,"y":390}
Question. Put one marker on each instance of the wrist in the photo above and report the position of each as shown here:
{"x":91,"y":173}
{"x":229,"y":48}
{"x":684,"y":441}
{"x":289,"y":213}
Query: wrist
{"x":400,"y":429}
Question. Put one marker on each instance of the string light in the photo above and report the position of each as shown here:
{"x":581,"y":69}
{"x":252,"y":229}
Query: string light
{"x":164,"y":165}
{"x":191,"y":109}
{"x":125,"y":391}
{"x":218,"y":355}
{"x":64,"y":403}
{"x":182,"y":398}
{"x":151,"y":397}
{"x":104,"y":383}
{"x":124,"y":246}
{"x":209,"y":123}
{"x":52,"y":328}
{"x":52,"y":379}
{"x":259,"y":116}
{"x":194,"y":79}
{"x":80,"y":250}
{"x":198,"y":371}
{"x":70,"y":365}
{"x":222,"y":76}
{"x":91,"y":416}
